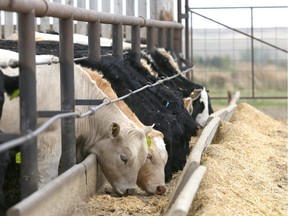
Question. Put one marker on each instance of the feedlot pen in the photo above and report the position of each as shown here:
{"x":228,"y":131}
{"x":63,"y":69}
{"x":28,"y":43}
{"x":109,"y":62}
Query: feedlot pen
{"x":246,"y":163}
{"x":246,"y":174}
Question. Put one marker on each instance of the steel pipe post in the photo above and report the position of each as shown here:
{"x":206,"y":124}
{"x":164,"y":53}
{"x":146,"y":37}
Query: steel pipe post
{"x":28,"y":114}
{"x":66,"y":53}
{"x":151,"y":40}
{"x":117,"y":36}
{"x":135,"y":35}
{"x":161,"y":37}
{"x":94,"y":47}
{"x":169,"y":42}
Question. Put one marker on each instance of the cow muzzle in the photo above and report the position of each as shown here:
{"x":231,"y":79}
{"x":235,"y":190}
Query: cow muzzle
{"x":129,"y":191}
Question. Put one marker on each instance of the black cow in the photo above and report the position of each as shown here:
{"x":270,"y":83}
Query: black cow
{"x":159,"y":105}
{"x":161,"y":62}
{"x":9,"y":85}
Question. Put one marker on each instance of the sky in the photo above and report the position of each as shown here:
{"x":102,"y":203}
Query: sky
{"x":238,"y":18}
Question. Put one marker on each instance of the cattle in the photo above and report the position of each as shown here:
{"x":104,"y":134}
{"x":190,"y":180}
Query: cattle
{"x":161,"y":105}
{"x":10,"y":86}
{"x":151,"y":177}
{"x":158,"y":105}
{"x":120,"y":145}
{"x":163,"y":63}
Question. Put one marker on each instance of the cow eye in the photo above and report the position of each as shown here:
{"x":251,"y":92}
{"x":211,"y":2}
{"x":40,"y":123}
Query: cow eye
{"x":124,"y":158}
{"x":149,"y":156}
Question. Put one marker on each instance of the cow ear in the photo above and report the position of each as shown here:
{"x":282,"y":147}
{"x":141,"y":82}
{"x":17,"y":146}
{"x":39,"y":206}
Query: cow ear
{"x":114,"y":129}
{"x":147,"y":129}
{"x":196,"y":94}
{"x":188,"y":104}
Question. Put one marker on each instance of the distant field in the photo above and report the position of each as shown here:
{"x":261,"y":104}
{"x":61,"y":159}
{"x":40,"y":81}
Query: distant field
{"x":223,"y":62}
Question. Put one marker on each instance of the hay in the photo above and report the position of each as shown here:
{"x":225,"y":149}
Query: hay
{"x":102,"y":204}
{"x":247,"y":167}
{"x":246,"y":174}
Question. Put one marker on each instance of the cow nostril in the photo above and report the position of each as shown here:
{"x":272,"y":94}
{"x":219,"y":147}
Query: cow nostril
{"x":131,"y":191}
{"x":161,"y":189}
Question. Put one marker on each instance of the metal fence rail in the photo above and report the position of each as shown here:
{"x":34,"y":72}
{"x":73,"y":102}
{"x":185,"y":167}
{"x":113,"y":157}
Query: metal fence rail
{"x":27,"y":11}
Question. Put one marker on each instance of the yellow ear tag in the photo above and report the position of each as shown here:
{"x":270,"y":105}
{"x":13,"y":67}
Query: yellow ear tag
{"x":192,"y":93}
{"x":15,"y":94}
{"x":18,"y":158}
{"x":148,"y":141}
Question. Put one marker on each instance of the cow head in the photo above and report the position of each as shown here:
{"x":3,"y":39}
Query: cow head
{"x":201,"y":108}
{"x":151,"y":177}
{"x":121,"y":154}
{"x":10,"y":85}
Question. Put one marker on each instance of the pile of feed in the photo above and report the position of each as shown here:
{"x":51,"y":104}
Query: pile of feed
{"x":102,"y":204}
{"x":246,"y":167}
{"x":246,"y":174}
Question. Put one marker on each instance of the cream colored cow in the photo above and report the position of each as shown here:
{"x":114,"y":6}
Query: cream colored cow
{"x":120,"y":145}
{"x":151,"y":177}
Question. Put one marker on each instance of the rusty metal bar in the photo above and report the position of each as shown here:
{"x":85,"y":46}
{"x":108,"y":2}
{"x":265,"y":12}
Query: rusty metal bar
{"x":169,"y":41}
{"x":66,"y":55}
{"x":117,"y":37}
{"x":28,"y":118}
{"x":161,"y":37}
{"x":252,"y":55}
{"x":135,"y":35}
{"x":151,"y":40}
{"x":177,"y":40}
{"x":94,"y":48}
{"x":46,"y":8}
{"x":187,"y":53}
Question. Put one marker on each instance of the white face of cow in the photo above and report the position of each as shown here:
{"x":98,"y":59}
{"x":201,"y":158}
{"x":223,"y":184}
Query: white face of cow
{"x":203,"y":116}
{"x":121,"y":154}
{"x":151,"y":177}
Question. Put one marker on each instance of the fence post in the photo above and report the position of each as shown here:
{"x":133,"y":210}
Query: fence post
{"x":81,"y":27}
{"x":106,"y":29}
{"x":66,"y":55}
{"x":169,"y":41}
{"x":55,"y":24}
{"x":142,"y":11}
{"x":252,"y":54}
{"x":28,"y":117}
{"x":151,"y":39}
{"x":129,"y":12}
{"x":8,"y":25}
{"x":161,"y":37}
{"x":94,"y":48}
{"x":135,"y":34}
{"x":117,"y":45}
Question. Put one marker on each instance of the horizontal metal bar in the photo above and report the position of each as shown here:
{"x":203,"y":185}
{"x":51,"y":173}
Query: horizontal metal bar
{"x":48,"y":114}
{"x":45,"y":8}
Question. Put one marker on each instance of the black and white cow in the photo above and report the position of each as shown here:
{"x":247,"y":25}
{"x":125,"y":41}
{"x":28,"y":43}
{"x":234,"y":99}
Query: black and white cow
{"x":163,"y":63}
